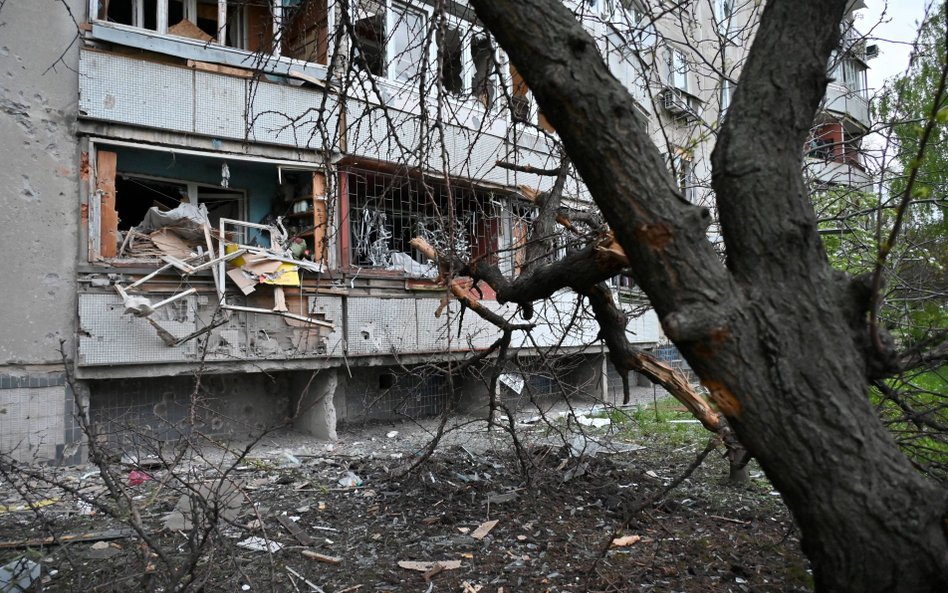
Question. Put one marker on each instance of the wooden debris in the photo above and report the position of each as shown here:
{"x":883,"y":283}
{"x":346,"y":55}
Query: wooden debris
{"x":62,"y":539}
{"x":729,"y":520}
{"x":433,"y":571}
{"x":220,"y":69}
{"x":321,"y":557}
{"x":426,"y":566}
{"x":295,"y":530}
{"x":484,"y":528}
{"x":628,"y":540}
{"x":188,"y":29}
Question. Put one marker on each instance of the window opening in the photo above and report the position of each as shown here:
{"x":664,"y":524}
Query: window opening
{"x":407,"y":43}
{"x":725,"y":96}
{"x":305,"y":31}
{"x":452,"y":61}
{"x":386,"y":211}
{"x":136,"y":13}
{"x":723,"y":15}
{"x":369,"y":41}
{"x":677,"y":68}
{"x":482,"y":56}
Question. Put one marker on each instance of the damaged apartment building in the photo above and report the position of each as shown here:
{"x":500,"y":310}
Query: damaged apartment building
{"x":228,"y":188}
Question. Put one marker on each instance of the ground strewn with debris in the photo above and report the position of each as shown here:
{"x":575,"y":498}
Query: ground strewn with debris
{"x":338,"y":518}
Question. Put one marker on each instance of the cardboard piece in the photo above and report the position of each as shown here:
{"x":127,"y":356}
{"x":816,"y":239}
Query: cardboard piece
{"x":169,"y":243}
{"x":244,"y":282}
{"x":188,"y":29}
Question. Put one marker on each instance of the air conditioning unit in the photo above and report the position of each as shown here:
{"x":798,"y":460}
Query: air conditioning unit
{"x":676,"y":103}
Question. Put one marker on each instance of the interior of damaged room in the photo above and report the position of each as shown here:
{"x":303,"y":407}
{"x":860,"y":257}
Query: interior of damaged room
{"x":257,"y":229}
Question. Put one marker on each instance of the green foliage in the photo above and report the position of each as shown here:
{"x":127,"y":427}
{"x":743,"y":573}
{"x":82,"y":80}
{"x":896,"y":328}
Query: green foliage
{"x":916,"y":271}
{"x":915,"y":409}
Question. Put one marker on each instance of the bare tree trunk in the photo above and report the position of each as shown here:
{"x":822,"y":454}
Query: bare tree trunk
{"x":778,"y":338}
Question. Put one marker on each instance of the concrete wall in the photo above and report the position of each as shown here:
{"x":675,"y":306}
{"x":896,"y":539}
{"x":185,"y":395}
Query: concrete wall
{"x":39,"y":179}
{"x":39,"y":222}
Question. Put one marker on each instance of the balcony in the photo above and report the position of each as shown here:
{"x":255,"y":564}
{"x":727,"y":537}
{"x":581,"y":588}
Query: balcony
{"x":831,"y":172}
{"x":842,"y":100}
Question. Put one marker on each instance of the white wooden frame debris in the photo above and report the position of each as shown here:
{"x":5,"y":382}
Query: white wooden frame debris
{"x":275,"y":233}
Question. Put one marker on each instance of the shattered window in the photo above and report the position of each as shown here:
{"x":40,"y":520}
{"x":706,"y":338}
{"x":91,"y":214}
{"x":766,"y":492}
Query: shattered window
{"x":386,"y":211}
{"x":136,"y":13}
{"x":244,"y":24}
{"x":150,"y":199}
{"x":407,"y":45}
{"x":369,"y":42}
{"x":467,"y":63}
{"x":305,"y":31}
{"x":452,"y":61}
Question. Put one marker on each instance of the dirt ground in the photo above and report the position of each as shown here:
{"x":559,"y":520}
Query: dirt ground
{"x":339,"y":517}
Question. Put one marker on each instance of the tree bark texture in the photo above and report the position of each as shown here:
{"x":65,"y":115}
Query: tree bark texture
{"x":778,"y":338}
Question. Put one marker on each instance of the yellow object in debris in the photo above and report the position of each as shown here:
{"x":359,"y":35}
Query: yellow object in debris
{"x":28,"y":505}
{"x":286,"y":275}
{"x":237,"y":261}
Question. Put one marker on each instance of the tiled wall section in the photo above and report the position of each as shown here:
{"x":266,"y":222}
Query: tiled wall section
{"x":37,"y":420}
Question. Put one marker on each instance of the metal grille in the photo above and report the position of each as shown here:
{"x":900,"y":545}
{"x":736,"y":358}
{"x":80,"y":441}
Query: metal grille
{"x":387,"y":210}
{"x":389,"y":393}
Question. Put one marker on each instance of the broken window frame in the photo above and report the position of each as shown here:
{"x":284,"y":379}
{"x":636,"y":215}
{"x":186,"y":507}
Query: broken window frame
{"x":224,"y":8}
{"x":389,"y":56}
{"x":404,"y":203}
{"x":97,"y":144}
{"x":468,"y":35}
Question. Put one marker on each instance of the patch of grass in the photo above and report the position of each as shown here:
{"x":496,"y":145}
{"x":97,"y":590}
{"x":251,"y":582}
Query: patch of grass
{"x":654,"y":421}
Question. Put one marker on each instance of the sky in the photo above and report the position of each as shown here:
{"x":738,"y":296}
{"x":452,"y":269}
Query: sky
{"x":894,"y":35}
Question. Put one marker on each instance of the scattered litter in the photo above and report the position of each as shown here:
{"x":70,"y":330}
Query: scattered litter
{"x":392,"y":434}
{"x":580,"y":445}
{"x":512,"y":380}
{"x":575,"y":472}
{"x":321,"y":557}
{"x":224,"y":496}
{"x":484,"y":528}
{"x":27,"y":506}
{"x":62,"y":539}
{"x":628,"y":540}
{"x":137,"y":478}
{"x":295,"y":530}
{"x":103,"y":550}
{"x":259,"y":544}
{"x":291,"y":459}
{"x":685,"y":421}
{"x":426,"y":566}
{"x":498,"y":498}
{"x":350,"y":480}
{"x":652,"y":474}
{"x":321,"y":528}
{"x":469,"y":588}
{"x":593,"y":422}
{"x":19,"y":576}
{"x":311,"y":584}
